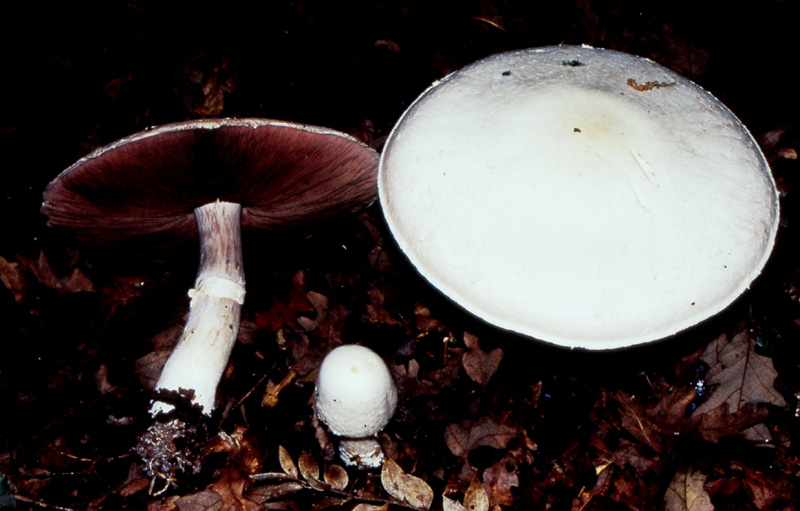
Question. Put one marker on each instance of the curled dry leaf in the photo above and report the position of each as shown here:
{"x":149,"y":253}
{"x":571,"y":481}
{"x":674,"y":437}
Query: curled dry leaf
{"x":462,"y":438}
{"x":687,"y":492}
{"x":478,"y":364}
{"x":405,"y":487}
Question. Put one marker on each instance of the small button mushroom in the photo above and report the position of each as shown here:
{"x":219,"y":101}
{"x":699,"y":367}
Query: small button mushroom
{"x":593,"y":199}
{"x":356,"y":397}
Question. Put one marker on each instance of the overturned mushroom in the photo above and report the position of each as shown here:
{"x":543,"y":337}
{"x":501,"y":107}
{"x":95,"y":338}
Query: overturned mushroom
{"x":356,"y":397}
{"x":580,"y":196}
{"x":212,"y":179}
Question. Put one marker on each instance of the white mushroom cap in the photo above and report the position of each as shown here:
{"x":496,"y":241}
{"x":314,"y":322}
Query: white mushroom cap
{"x":355,"y":393}
{"x":581,"y":196}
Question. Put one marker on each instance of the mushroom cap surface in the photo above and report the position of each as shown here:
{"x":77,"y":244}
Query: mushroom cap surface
{"x":149,"y":184}
{"x":355,"y":394}
{"x":584,"y":197}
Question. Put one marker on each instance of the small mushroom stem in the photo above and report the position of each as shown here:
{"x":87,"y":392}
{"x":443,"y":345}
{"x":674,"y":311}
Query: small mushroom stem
{"x":202,"y":353}
{"x":361,"y":452}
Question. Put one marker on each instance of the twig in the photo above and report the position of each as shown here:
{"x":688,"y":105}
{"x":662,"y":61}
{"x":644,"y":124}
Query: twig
{"x":39,"y":503}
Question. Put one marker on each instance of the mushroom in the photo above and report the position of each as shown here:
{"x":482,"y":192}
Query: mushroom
{"x":580,"y":196}
{"x":355,"y":397}
{"x":211,"y":179}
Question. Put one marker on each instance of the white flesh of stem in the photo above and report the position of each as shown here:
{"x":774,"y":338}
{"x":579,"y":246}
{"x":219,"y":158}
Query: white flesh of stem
{"x":202,"y":353}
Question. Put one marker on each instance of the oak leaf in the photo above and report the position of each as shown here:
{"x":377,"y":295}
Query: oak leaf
{"x":742,"y":381}
{"x":739,"y":375}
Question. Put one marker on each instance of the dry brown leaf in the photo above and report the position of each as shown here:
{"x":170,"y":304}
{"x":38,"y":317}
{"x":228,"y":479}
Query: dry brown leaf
{"x":41,"y":270}
{"x":686,"y":492}
{"x":11,"y":276}
{"x":265,"y":493}
{"x":224,"y":494}
{"x":740,"y":375}
{"x":271,"y":393}
{"x":309,"y":468}
{"x":478,"y":364}
{"x":462,"y":438}
{"x":286,"y":312}
{"x":723,"y":422}
{"x":449,"y":504}
{"x":655,"y":423}
{"x":376,"y":311}
{"x":742,"y":381}
{"x":77,"y":282}
{"x":371,"y":507}
{"x":320,"y":303}
{"x":405,"y":487}
{"x":768,"y":491}
{"x":336,"y":477}
{"x":500,"y":478}
{"x":287,"y":464}
{"x":476,"y":498}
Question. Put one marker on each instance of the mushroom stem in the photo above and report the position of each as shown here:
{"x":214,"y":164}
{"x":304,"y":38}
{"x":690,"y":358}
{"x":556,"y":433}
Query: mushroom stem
{"x":202,"y":353}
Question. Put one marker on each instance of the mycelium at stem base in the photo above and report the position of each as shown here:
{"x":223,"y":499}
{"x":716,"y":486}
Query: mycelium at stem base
{"x":202,"y":353}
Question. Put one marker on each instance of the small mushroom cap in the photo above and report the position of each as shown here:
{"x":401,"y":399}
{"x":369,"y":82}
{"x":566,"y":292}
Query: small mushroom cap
{"x":282,"y":174}
{"x":355,"y":395}
{"x":585,"y":197}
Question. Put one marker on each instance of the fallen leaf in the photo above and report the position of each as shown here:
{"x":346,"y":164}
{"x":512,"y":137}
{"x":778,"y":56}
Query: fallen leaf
{"x":739,"y":374}
{"x":371,"y":507}
{"x":287,"y":464}
{"x":405,"y":487}
{"x":270,"y":398}
{"x":655,"y":423}
{"x":478,"y":364}
{"x":449,"y":504}
{"x":742,"y":381}
{"x":309,"y":468}
{"x":686,"y":492}
{"x":476,"y":498}
{"x":265,"y":493}
{"x":41,"y":270}
{"x":462,"y":438}
{"x":77,"y":282}
{"x":723,"y":422}
{"x":768,"y":491}
{"x":336,"y":477}
{"x":11,"y":276}
{"x":224,"y":494}
{"x":501,"y":477}
{"x":286,"y":311}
